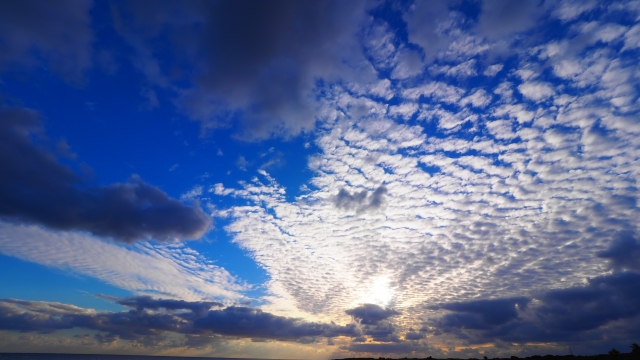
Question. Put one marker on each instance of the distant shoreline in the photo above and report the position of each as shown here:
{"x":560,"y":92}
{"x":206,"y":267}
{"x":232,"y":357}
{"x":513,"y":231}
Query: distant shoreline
{"x":621,"y":356}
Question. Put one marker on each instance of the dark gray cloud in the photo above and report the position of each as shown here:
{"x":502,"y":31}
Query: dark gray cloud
{"x":254,"y":323}
{"x":481,"y":314}
{"x":371,"y":314}
{"x":414,"y":335}
{"x":36,"y":187}
{"x":604,"y":299}
{"x":423,"y":19}
{"x":360,"y":201}
{"x":383,"y":331}
{"x":147,"y":302}
{"x":256,"y":60}
{"x":624,"y":252}
{"x":143,"y":326}
{"x":58,"y":31}
{"x":504,"y":17}
{"x":592,"y":312}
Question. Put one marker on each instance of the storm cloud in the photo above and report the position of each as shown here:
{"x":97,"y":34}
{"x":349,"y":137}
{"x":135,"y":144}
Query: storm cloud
{"x":36,"y":187}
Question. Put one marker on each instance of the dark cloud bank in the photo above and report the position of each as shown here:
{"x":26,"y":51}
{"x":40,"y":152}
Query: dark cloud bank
{"x":605,"y":309}
{"x":36,"y":187}
{"x":153,"y":317}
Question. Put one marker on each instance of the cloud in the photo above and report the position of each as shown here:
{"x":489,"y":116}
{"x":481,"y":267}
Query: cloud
{"x":59,"y":32}
{"x":404,"y":348}
{"x":171,"y":270}
{"x":36,"y":187}
{"x":423,"y":19}
{"x":371,"y":314}
{"x":499,"y":198}
{"x":493,"y":70}
{"x":588,"y":312}
{"x":409,"y":63}
{"x":624,"y":252}
{"x":536,"y":91}
{"x":147,"y":302}
{"x":569,"y":10}
{"x":257,"y":61}
{"x":254,"y":323}
{"x":479,"y":99}
{"x":142,"y":326}
{"x":505,"y":200}
{"x":503,"y":17}
{"x":481,"y":314}
{"x":360,"y":201}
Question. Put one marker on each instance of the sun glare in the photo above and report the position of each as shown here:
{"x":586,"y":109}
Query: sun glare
{"x":381,"y":292}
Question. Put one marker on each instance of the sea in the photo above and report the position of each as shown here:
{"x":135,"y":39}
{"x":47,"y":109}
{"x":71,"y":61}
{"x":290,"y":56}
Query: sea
{"x":16,"y":356}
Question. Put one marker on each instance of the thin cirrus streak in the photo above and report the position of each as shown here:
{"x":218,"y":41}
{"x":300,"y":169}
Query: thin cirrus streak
{"x":171,"y":270}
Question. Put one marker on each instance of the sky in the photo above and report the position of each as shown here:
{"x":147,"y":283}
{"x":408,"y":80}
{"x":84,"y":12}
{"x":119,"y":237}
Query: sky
{"x":326,"y":179}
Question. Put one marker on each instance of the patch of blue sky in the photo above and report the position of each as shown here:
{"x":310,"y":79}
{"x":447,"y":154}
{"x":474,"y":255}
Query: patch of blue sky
{"x":27,"y":280}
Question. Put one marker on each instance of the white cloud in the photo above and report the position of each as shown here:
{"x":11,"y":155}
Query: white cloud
{"x":479,"y":99}
{"x":632,"y":38}
{"x":536,"y":91}
{"x":170,"y":270}
{"x":408,"y":63}
{"x":438,"y":90}
{"x":493,"y":70}
{"x":462,"y":70}
{"x":571,"y":9}
{"x":404,"y":111}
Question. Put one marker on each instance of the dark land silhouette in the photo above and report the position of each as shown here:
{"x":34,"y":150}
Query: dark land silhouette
{"x":613,"y":354}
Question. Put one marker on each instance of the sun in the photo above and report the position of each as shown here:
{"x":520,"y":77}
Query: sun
{"x":381,"y":292}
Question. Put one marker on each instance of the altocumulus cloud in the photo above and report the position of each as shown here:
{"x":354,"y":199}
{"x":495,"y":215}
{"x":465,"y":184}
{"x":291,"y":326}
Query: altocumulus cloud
{"x":36,"y":187}
{"x":508,"y":165}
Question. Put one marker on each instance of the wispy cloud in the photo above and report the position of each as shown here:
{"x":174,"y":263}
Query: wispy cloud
{"x":170,"y":270}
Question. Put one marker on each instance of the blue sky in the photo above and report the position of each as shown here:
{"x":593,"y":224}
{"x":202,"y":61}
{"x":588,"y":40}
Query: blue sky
{"x":319,"y":179}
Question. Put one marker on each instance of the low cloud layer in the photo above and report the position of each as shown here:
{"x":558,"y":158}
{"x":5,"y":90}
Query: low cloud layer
{"x":607,"y":306}
{"x":140,"y":325}
{"x":36,"y":187}
{"x":481,"y":314}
